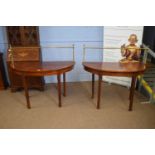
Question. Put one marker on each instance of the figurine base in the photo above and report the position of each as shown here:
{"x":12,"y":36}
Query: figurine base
{"x":128,"y":61}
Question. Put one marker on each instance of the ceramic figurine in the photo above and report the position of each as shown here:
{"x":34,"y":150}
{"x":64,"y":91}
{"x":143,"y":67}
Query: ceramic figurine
{"x":131,"y":52}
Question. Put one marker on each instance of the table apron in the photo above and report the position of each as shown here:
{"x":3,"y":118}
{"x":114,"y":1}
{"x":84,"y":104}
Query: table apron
{"x":121,"y":74}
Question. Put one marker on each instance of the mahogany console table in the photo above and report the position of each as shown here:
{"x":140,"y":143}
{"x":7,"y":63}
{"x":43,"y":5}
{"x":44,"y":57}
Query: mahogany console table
{"x":114,"y":69}
{"x":32,"y":68}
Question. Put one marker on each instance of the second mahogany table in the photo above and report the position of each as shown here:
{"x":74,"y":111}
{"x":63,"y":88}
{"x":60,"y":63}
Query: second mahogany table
{"x":131,"y":69}
{"x":31,"y":68}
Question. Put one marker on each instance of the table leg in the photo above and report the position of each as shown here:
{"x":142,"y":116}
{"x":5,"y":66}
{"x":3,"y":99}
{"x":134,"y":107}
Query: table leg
{"x":93,"y":82}
{"x":129,"y":93}
{"x":99,"y":91}
{"x":132,"y":89}
{"x":26,"y":92}
{"x":64,"y":84}
{"x":59,"y":89}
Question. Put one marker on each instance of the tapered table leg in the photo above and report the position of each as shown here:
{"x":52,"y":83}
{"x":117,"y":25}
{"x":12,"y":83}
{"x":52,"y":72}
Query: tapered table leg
{"x":129,"y":93}
{"x":59,"y":89}
{"x":64,"y":84}
{"x":99,"y":91}
{"x":26,"y":92}
{"x":93,"y":82}
{"x":132,"y":89}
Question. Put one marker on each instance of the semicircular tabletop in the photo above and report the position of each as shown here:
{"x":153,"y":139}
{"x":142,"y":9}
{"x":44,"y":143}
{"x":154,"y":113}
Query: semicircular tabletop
{"x":45,"y":68}
{"x":116,"y":67}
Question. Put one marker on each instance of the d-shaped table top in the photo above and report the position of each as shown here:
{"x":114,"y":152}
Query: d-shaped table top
{"x":115,"y":67}
{"x":42,"y":68}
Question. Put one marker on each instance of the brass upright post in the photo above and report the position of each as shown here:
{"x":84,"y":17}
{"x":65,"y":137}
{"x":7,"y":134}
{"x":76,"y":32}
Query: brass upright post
{"x":84,"y":52}
{"x":73,"y":52}
{"x":11,"y":55}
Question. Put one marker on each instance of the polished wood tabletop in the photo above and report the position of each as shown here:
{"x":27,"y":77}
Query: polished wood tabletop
{"x":131,"y":69}
{"x":32,"y":68}
{"x":107,"y":68}
{"x":36,"y":68}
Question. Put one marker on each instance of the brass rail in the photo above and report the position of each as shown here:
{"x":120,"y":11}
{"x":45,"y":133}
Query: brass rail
{"x":39,"y":47}
{"x":91,"y":47}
